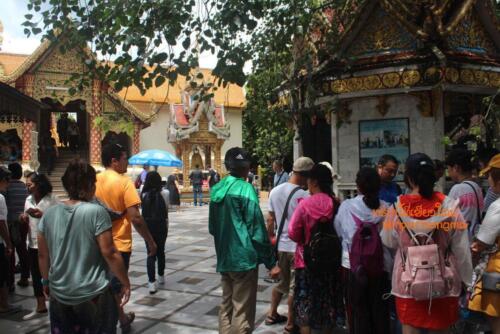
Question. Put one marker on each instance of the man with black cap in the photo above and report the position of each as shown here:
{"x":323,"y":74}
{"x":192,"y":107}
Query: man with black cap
{"x":241,"y":243}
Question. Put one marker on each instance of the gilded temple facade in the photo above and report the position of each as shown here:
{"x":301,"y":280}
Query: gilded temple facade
{"x":405,"y":77}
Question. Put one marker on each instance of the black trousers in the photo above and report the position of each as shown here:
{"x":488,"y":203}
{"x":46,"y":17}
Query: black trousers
{"x":36,"y":276}
{"x":160,"y":238}
{"x":369,"y":312}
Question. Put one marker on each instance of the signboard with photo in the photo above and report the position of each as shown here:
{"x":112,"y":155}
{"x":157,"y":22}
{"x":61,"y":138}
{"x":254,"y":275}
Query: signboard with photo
{"x":384,"y":136}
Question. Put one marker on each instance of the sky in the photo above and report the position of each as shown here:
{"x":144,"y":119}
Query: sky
{"x":15,"y":41}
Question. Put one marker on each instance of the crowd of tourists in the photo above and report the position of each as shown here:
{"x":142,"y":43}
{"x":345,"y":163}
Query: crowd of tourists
{"x":388,"y":260}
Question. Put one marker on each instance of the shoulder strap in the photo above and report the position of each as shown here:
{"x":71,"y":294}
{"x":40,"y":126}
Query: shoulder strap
{"x":412,"y":235}
{"x":477,"y":201}
{"x":279,"y":179}
{"x":285,"y":215}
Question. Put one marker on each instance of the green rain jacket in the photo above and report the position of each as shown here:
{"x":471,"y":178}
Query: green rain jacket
{"x":237,"y":224}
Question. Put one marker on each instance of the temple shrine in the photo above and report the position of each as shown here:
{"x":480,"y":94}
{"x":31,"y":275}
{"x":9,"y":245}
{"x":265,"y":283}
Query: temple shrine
{"x":405,"y":76}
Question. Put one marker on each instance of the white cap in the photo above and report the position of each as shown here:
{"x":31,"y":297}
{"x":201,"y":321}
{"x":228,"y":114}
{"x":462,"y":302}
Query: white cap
{"x":303,"y":164}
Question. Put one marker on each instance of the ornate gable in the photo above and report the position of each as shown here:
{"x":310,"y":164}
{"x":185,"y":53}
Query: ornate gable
{"x":57,"y":62}
{"x":471,"y":36}
{"x":380,"y":35}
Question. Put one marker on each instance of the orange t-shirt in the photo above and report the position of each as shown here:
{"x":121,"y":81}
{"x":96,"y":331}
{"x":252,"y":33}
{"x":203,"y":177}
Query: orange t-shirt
{"x":118,"y":192}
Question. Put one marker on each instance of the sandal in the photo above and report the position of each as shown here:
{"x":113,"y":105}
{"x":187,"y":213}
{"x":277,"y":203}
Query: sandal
{"x":275,"y":319}
{"x":126,"y":326}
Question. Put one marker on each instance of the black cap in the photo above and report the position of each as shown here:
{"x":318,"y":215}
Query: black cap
{"x":4,"y":173}
{"x":418,"y":160}
{"x":237,"y":157}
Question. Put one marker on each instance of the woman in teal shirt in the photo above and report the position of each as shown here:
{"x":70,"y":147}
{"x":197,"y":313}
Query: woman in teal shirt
{"x":76,"y":249}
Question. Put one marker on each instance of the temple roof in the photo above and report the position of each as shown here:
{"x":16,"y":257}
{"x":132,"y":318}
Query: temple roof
{"x":393,"y":46}
{"x":231,"y":96}
{"x":389,"y":32}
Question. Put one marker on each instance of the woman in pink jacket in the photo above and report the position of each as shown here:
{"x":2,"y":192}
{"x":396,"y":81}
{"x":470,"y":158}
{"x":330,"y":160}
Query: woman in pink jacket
{"x":316,"y":294}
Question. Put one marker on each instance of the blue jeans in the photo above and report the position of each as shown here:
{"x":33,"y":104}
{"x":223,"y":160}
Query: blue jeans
{"x":197,"y":194}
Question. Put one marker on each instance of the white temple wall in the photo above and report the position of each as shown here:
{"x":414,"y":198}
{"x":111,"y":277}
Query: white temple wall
{"x":155,"y":136}
{"x":234,"y":118}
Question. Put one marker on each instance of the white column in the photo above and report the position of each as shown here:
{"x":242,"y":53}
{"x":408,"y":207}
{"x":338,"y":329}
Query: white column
{"x":298,"y":150}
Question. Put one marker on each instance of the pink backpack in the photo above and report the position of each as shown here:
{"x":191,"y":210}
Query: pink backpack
{"x":366,"y":256}
{"x":428,"y":268}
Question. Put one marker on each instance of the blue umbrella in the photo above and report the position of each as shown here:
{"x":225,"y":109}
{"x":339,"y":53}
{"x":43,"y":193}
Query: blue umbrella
{"x":155,"y":158}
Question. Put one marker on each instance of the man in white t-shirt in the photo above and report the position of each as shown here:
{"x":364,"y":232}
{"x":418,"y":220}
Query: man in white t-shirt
{"x":290,"y":191}
{"x":5,"y":243}
{"x":468,"y":193}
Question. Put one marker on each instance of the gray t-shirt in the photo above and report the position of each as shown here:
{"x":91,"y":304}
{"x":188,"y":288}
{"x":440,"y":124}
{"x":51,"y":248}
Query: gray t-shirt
{"x":78,"y":272}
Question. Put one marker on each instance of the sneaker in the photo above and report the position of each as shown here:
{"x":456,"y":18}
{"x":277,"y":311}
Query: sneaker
{"x":161,"y":280}
{"x":23,"y":282}
{"x":152,"y":288}
{"x":35,"y":314}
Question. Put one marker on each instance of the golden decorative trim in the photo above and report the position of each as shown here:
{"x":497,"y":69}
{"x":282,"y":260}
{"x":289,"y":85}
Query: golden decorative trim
{"x":391,"y":80}
{"x":410,"y":77}
{"x":413,"y":78}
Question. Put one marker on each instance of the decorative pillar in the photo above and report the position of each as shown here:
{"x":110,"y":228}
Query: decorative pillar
{"x":28,"y":81}
{"x":95,"y":132}
{"x":136,"y":141}
{"x":27,"y":141}
{"x":218,"y":157}
{"x":186,"y":165}
{"x":208,"y":156}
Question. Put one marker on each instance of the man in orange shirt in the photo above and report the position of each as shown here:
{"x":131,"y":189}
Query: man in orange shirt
{"x":117,"y":192}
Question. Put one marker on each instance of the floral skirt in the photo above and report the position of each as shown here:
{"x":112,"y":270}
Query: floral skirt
{"x":316,"y":299}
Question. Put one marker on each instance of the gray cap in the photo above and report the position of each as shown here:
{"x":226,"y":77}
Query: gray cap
{"x":303,"y":164}
{"x":4,"y":173}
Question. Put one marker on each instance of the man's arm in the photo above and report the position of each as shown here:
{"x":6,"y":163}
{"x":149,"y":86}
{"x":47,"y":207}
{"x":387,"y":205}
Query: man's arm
{"x":271,"y":221}
{"x":115,"y":262}
{"x":140,"y":226}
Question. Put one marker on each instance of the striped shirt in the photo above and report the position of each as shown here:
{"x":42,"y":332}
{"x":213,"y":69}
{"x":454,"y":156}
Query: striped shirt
{"x":15,"y":196}
{"x":490,"y":198}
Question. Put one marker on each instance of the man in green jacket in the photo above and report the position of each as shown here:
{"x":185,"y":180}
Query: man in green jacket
{"x":241,"y":243}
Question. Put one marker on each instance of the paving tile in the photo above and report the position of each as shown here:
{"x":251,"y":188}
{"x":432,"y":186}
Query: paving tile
{"x":189,"y":281}
{"x":199,"y":313}
{"x":149,"y":301}
{"x":204,"y":266}
{"x":195,"y":250}
{"x":172,"y":300}
{"x":170,"y":328}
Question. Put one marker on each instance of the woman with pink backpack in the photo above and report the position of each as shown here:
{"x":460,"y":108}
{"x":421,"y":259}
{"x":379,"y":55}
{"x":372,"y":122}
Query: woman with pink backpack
{"x":358,"y":223}
{"x":432,"y":257}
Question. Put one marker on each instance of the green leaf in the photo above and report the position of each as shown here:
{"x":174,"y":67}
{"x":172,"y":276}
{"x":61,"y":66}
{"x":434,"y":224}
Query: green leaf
{"x":159,"y":81}
{"x":186,"y":43}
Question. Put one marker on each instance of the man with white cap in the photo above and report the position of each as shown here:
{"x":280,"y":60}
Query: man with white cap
{"x":283,"y":200}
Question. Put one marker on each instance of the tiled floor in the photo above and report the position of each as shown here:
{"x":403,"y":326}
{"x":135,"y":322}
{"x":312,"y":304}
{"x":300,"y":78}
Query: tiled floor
{"x":188,"y":301}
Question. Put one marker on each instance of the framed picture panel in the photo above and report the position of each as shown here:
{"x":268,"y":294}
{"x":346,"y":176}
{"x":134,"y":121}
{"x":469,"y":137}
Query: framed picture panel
{"x":384,"y":136}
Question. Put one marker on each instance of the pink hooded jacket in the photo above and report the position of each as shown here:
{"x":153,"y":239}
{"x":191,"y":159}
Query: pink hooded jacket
{"x":304,"y":218}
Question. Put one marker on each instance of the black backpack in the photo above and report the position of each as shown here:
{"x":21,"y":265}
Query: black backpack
{"x":154,"y":211}
{"x":323,"y":252}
